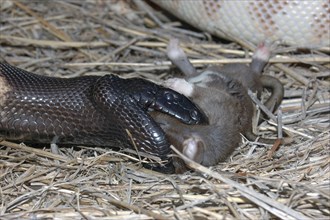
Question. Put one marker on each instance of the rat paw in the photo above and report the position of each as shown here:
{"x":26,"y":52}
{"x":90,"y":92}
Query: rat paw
{"x":193,"y":148}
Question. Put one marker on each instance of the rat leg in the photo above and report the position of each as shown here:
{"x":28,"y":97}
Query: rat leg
{"x":260,"y":58}
{"x":179,"y":58}
{"x":194,"y":148}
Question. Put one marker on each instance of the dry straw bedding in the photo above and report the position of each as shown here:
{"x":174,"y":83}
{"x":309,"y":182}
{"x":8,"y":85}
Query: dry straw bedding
{"x":73,"y":38}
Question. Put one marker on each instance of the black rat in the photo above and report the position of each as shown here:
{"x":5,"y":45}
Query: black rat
{"x":222,"y":94}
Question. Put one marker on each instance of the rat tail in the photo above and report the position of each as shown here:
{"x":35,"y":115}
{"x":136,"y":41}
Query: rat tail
{"x":252,"y":137}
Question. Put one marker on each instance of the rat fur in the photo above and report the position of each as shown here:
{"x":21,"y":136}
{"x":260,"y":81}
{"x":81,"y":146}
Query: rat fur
{"x":222,"y":94}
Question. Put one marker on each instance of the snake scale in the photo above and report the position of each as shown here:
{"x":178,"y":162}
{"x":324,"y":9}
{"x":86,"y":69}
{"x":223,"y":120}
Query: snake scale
{"x":295,"y":22}
{"x":89,"y":110}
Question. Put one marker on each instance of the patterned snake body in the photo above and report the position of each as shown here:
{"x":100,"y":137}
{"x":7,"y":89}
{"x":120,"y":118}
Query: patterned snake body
{"x":90,"y":110}
{"x":300,"y":22}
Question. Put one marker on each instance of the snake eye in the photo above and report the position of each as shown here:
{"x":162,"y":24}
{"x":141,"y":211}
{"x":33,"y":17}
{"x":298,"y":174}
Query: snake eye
{"x":194,"y":115}
{"x":170,"y":96}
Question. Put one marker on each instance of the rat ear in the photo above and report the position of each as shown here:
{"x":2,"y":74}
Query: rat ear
{"x":193,"y":148}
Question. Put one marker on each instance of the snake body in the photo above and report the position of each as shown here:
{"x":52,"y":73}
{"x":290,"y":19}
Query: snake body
{"x":90,"y":110}
{"x":296,"y":22}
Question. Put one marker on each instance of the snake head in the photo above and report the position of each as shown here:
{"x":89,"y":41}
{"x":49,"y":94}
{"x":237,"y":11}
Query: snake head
{"x":177,"y":105}
{"x":159,"y":98}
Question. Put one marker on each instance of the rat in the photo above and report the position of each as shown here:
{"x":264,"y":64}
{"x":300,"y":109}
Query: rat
{"x":222,"y":93}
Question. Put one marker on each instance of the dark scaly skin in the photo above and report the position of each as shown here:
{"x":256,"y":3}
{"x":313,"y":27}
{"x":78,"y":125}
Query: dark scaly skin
{"x":89,"y":110}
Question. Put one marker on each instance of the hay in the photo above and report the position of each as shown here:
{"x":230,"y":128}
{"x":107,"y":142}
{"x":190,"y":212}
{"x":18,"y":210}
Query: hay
{"x":73,"y":38}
